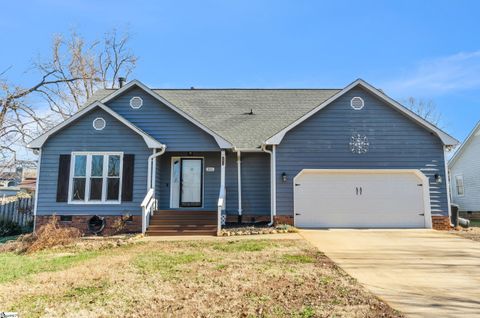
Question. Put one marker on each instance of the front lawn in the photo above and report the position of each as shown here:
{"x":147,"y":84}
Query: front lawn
{"x":202,"y":278}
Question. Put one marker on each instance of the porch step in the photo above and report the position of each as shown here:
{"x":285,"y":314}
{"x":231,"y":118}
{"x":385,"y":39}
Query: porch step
{"x":182,"y":222}
{"x":184,"y":213}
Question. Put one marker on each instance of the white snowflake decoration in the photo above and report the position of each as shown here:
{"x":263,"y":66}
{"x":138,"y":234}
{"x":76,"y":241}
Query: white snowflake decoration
{"x":359,"y":144}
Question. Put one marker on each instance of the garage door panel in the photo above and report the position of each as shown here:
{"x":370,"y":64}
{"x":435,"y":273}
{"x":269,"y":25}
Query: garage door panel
{"x":362,"y":200}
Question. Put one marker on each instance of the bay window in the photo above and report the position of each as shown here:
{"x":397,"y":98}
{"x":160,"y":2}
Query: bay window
{"x":96,"y":177}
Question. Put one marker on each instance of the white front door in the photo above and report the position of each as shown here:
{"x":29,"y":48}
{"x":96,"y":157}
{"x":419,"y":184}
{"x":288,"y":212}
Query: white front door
{"x":187,"y":182}
{"x":361,"y":199}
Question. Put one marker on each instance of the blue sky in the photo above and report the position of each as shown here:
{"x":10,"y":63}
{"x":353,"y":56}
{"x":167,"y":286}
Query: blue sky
{"x":425,"y":49}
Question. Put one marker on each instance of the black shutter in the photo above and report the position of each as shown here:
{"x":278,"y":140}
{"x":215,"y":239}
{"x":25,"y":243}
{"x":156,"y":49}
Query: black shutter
{"x":127,"y":182}
{"x":63,"y":178}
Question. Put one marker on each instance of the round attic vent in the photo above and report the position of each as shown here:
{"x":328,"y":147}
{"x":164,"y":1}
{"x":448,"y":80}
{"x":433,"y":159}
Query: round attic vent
{"x":357,"y":103}
{"x":99,"y":123}
{"x":136,"y":102}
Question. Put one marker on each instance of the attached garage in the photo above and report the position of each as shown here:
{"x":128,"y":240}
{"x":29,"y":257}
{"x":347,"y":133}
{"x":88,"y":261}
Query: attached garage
{"x":369,"y":198}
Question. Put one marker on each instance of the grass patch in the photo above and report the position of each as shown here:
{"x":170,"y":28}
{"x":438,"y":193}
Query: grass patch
{"x":164,"y":263}
{"x":475,"y":223}
{"x":87,"y":296}
{"x":307,"y":312}
{"x":243,"y":246}
{"x":14,"y":266}
{"x":8,"y":238}
{"x":243,"y":278}
{"x":299,"y":258}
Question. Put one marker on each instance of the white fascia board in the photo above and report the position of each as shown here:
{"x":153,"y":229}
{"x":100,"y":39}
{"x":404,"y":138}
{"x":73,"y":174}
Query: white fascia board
{"x":149,"y":140}
{"x":446,"y":138}
{"x":222,"y":143}
{"x":460,"y":150}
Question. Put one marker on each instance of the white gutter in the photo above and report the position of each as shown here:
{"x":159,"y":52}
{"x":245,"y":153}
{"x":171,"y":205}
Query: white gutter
{"x":151,"y":164}
{"x":447,"y":184}
{"x":273,"y":186}
{"x":239,"y":178}
{"x":36,"y":189}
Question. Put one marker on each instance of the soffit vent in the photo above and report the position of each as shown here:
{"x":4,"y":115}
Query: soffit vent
{"x":99,"y":123}
{"x":357,"y":103}
{"x":136,"y":102}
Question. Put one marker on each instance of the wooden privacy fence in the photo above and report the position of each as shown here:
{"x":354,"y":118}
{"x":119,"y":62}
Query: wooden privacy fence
{"x":19,"y":211}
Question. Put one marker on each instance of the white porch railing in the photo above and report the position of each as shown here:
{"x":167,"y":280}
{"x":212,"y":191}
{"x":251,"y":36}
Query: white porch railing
{"x":148,"y":205}
{"x":220,"y":208}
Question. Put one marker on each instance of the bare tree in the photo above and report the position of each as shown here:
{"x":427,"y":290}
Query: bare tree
{"x":68,"y":79}
{"x":96,"y":64}
{"x":19,"y":120}
{"x":425,"y":109}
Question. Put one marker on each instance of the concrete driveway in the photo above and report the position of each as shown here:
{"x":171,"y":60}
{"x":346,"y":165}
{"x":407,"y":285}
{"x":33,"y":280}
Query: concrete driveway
{"x":422,"y":273}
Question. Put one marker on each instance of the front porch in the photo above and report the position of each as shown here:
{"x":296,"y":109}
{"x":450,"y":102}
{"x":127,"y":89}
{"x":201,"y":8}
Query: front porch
{"x":182,"y":222}
{"x":194,"y":193}
{"x":186,"y":194}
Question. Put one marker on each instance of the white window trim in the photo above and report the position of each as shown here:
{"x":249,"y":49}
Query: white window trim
{"x":88,"y":172}
{"x":172,"y":159}
{"x":104,"y":123}
{"x":136,"y":97}
{"x":456,"y":185}
{"x":354,"y":107}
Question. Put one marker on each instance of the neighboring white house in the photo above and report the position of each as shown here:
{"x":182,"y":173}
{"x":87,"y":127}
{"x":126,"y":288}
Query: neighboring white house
{"x":464,"y":169}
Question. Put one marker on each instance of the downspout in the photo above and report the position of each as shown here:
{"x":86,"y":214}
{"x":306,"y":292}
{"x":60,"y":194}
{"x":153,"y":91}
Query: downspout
{"x":447,"y":184}
{"x":239,"y":178}
{"x":150,"y":165}
{"x":273,"y":186}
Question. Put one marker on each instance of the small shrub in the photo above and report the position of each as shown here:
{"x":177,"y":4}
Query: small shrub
{"x":51,"y":235}
{"x":9,"y":228}
{"x":48,"y":236}
{"x":286,"y":227}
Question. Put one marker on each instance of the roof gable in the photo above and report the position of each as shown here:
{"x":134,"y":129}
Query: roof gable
{"x":446,"y":139}
{"x":222,"y":142}
{"x":149,"y":141}
{"x":248,"y":118}
{"x":475,"y":131}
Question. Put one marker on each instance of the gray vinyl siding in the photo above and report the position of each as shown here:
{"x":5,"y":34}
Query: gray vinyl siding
{"x":255,"y":181}
{"x":81,"y":136}
{"x":231,"y":183}
{"x":468,"y":165}
{"x":162,"y":123}
{"x":396,"y":142}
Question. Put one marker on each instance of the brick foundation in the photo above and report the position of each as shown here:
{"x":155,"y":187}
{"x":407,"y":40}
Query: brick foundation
{"x":441,"y":223}
{"x":248,"y":218}
{"x":283,"y":219}
{"x":81,"y":222}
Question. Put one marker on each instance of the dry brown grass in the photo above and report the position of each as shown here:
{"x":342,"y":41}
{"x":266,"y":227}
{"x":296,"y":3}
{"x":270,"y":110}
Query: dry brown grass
{"x":472,"y":233}
{"x":222,"y":278}
{"x":48,"y":236}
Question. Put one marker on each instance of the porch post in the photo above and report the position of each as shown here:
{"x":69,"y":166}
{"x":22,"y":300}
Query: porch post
{"x":239,"y":178}
{"x":222,"y":168}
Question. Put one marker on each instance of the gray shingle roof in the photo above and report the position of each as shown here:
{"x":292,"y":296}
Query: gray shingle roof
{"x":225,"y":111}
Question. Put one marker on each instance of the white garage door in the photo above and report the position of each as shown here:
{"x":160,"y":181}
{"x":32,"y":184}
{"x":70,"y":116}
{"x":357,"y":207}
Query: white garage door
{"x":361,"y":199}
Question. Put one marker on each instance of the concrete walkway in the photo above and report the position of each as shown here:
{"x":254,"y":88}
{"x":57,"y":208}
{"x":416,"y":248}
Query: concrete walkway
{"x":422,"y":273}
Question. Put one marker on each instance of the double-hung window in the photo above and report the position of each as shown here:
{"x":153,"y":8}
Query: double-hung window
{"x":96,"y":177}
{"x":459,"y":185}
